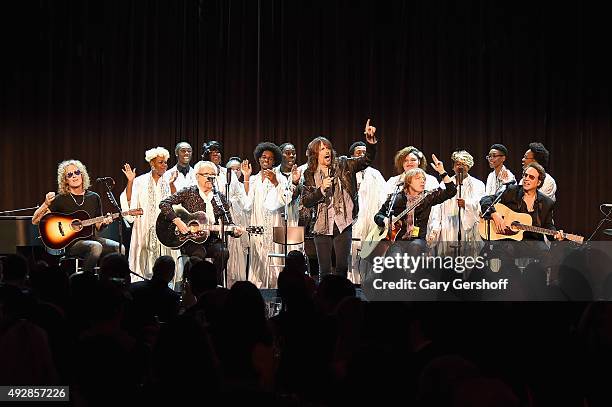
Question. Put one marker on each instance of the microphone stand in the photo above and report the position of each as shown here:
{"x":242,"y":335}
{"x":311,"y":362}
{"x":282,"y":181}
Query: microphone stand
{"x":391,"y":204}
{"x":459,"y":179}
{"x":486,"y":215}
{"x":113,"y":201}
{"x":223,"y":222}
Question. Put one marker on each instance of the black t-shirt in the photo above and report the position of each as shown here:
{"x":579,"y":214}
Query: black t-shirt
{"x":65,"y":203}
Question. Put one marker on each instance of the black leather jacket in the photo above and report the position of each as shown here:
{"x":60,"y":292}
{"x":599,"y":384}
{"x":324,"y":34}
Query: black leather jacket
{"x":344,"y":168}
{"x":421,"y":212}
{"x":512,"y":197}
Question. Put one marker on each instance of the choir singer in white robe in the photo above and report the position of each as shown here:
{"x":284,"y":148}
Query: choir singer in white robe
{"x":146,"y":191}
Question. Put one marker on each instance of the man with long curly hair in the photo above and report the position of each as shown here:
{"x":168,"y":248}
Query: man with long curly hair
{"x":330,"y":186}
{"x":73,"y":195}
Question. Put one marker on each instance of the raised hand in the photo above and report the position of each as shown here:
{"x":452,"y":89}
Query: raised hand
{"x":271,"y":175}
{"x":504,"y":175}
{"x":130,"y":173}
{"x":295,"y":174}
{"x":437,"y":164}
{"x":50,"y":197}
{"x":369,"y":132}
{"x":173,"y":176}
{"x":246,"y":169}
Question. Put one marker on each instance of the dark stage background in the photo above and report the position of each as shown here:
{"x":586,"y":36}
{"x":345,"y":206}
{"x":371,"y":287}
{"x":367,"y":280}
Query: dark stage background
{"x":102,"y":81}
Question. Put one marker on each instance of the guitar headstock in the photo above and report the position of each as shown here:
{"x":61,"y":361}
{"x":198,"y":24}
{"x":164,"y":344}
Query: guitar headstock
{"x":255,"y":230}
{"x":135,"y":212}
{"x":575,"y":238}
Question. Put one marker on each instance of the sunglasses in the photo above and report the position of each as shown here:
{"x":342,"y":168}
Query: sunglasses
{"x":531,"y":177}
{"x":492,"y":156}
{"x":76,"y":172}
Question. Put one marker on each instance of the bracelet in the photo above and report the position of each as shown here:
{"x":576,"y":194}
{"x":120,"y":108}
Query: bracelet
{"x":444,"y":174}
{"x":246,"y":182}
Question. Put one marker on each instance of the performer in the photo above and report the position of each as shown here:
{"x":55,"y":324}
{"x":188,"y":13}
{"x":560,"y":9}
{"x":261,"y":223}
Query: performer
{"x":526,"y":198}
{"x":73,"y":195}
{"x":146,"y":191}
{"x":500,"y":174}
{"x":406,"y":159}
{"x":213,"y":151}
{"x":414,"y":224}
{"x":201,"y":197}
{"x":330,"y":186}
{"x":182,"y":171}
{"x":539,"y":154}
{"x":238,"y":248}
{"x":266,"y":197}
{"x":444,"y":218}
{"x":371,"y":190}
{"x":285,"y":170}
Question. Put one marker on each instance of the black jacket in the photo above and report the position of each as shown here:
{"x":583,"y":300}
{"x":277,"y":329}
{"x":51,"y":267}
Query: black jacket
{"x":344,"y":169}
{"x":421,"y":212}
{"x":512,"y":197}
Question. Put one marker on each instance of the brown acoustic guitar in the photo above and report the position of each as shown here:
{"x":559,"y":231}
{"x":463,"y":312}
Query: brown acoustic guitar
{"x":58,"y":230}
{"x":519,"y":223}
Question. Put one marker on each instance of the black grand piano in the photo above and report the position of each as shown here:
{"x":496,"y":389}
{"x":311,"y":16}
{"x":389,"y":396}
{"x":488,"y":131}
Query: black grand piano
{"x":17,"y":233}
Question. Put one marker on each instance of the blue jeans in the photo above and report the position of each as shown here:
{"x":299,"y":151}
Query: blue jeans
{"x":92,"y":249}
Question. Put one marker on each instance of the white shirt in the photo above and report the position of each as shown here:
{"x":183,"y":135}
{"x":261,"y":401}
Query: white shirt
{"x":208,"y":197}
{"x":181,"y":181}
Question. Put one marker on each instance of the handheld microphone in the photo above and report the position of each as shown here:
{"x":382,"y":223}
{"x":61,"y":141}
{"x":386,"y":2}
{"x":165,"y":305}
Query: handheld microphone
{"x":105,"y":179}
{"x":460,"y":176}
{"x":606,"y":205}
{"x":211,"y":178}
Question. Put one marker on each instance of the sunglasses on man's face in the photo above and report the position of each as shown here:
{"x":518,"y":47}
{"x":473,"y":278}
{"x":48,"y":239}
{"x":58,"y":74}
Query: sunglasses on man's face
{"x":531,"y":177}
{"x":76,"y":172}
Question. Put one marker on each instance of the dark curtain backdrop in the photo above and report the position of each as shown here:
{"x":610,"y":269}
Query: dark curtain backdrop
{"x":102,"y":81}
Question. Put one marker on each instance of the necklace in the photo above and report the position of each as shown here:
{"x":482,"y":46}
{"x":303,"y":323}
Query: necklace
{"x":78,"y":204}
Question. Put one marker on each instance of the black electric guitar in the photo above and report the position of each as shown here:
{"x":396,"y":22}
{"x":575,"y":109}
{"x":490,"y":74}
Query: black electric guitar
{"x":198,"y":225}
{"x":58,"y":230}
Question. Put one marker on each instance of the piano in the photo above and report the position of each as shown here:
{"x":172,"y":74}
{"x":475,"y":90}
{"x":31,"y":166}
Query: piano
{"x":17,"y":231}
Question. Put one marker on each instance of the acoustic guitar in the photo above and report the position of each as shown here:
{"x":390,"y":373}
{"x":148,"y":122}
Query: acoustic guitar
{"x":58,"y":230}
{"x":519,"y":223}
{"x":198,"y":225}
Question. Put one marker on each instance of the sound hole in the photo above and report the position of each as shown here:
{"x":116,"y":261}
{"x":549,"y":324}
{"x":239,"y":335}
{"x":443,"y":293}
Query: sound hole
{"x":76,"y":225}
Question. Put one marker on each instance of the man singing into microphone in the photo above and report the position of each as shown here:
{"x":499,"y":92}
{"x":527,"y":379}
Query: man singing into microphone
{"x":201,"y":197}
{"x":330,"y":186}
{"x":460,"y":210}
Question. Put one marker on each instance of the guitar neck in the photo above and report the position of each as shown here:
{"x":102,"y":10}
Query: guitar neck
{"x":98,"y":219}
{"x":405,"y":211}
{"x":549,"y":232}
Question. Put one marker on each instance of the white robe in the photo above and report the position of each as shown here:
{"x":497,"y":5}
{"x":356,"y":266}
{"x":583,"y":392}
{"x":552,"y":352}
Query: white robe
{"x":265,"y":205}
{"x":145,"y":248}
{"x":444,"y":219}
{"x":238,"y":248}
{"x":371,"y":195}
{"x":181,"y":181}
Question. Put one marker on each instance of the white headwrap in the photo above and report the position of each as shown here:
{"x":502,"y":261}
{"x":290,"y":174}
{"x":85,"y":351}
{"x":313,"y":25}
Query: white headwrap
{"x":464,"y":157}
